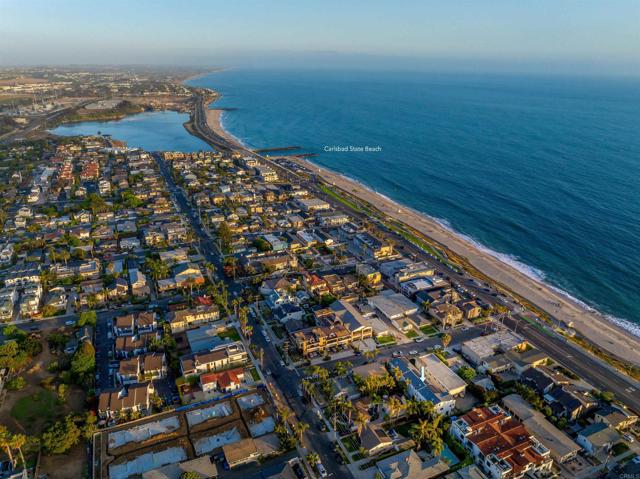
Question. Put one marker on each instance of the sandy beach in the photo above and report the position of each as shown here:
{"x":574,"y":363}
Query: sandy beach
{"x":214,"y":120}
{"x":589,"y":324}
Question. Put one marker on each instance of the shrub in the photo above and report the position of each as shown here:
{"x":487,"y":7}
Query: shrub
{"x":17,"y":383}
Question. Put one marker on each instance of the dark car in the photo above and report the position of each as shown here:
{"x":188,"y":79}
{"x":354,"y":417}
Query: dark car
{"x":297,"y":469}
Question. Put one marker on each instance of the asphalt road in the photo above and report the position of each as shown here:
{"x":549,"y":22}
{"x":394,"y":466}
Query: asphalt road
{"x":583,"y":364}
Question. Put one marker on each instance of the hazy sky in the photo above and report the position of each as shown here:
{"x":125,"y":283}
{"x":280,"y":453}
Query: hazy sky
{"x":565,"y":35}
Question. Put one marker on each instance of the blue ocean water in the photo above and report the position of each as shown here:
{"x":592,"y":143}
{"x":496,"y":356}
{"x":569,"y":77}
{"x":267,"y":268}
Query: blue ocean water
{"x":152,"y":131}
{"x":542,"y":171}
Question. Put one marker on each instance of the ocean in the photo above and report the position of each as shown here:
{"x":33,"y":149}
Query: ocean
{"x":542,"y":171}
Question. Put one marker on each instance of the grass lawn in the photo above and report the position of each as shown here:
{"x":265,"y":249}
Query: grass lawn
{"x":411,"y":334}
{"x":41,"y":405}
{"x":428,"y":330}
{"x":229,"y":333}
{"x":619,"y":448}
{"x":339,"y":198}
{"x":403,"y":429}
{"x":351,"y":443}
{"x":384,"y":340}
{"x":278,"y":331}
{"x":254,"y":374}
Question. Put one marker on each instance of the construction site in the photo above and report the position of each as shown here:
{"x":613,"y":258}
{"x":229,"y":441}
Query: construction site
{"x":244,"y":419}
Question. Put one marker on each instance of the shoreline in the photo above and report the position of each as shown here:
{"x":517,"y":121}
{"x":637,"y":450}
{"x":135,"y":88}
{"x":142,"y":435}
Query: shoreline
{"x":603,"y":331}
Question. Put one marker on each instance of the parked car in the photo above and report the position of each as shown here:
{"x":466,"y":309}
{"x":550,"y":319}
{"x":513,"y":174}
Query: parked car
{"x":628,"y":437}
{"x":321,"y":470}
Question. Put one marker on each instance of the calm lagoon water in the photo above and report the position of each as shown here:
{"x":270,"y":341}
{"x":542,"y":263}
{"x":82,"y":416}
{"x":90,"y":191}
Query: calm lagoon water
{"x":152,"y":131}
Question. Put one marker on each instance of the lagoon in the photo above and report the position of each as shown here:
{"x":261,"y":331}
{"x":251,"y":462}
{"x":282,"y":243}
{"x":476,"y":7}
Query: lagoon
{"x":152,"y":131}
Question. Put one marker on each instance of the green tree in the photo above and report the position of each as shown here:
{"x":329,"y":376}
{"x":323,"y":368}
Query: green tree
{"x":84,"y":360}
{"x":225,"y":236}
{"x":5,"y":442}
{"x":16,"y":384}
{"x":190,"y":475}
{"x":446,"y":339}
{"x":61,"y":436}
{"x":87,"y":318}
{"x":157,"y":268}
{"x":467,"y":373}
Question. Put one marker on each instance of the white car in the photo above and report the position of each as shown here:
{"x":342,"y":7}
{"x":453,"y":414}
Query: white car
{"x":71,"y":322}
{"x":321,"y":470}
{"x":629,"y":437}
{"x":413,"y":352}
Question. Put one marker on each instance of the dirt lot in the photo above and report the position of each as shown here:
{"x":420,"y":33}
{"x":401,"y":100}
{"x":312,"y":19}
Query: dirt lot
{"x":70,"y":465}
{"x":33,"y":408}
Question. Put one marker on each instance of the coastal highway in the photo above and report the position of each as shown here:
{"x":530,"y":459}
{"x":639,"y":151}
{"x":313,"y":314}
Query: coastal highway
{"x":580,"y":362}
{"x":600,"y":374}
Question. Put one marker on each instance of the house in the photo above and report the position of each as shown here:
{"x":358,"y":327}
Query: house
{"x":127,"y":346}
{"x":188,"y":318}
{"x":421,"y":389}
{"x":440,"y":376}
{"x":225,"y":381}
{"x":500,"y":444}
{"x":374,"y":439}
{"x":124,"y":325}
{"x":561,"y":446}
{"x":138,"y":282}
{"x":470,"y":309}
{"x":240,"y":452}
{"x":564,"y":403}
{"x":288,"y":312}
{"x":372,"y":247}
{"x":203,"y":466}
{"x":129,"y":243}
{"x":448,"y":315}
{"x":119,"y":289}
{"x":393,"y":306}
{"x":154,"y":366}
{"x":187,"y":274}
{"x":113,"y":403}
{"x":146,"y":322}
{"x":224,"y":356}
{"x":484,"y":347}
{"x":597,"y":439}
{"x":615,"y":417}
{"x":408,"y":465}
{"x":129,"y":370}
{"x":21,"y":275}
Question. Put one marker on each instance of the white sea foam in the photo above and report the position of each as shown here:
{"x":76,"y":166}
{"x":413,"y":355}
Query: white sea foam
{"x":509,"y":259}
{"x":539,"y":276}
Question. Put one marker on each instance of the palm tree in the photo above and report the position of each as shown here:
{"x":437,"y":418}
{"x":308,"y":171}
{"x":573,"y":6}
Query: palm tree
{"x":285,"y":413}
{"x":300,"y":428}
{"x":394,"y":406}
{"x":446,"y":340}
{"x":309,"y":387}
{"x":341,"y":368}
{"x":360,"y":422}
{"x":313,"y":458}
{"x":420,"y":431}
{"x":5,"y":441}
{"x":17,"y":442}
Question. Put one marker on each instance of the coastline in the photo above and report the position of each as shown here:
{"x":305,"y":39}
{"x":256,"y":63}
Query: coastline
{"x":595,"y":327}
